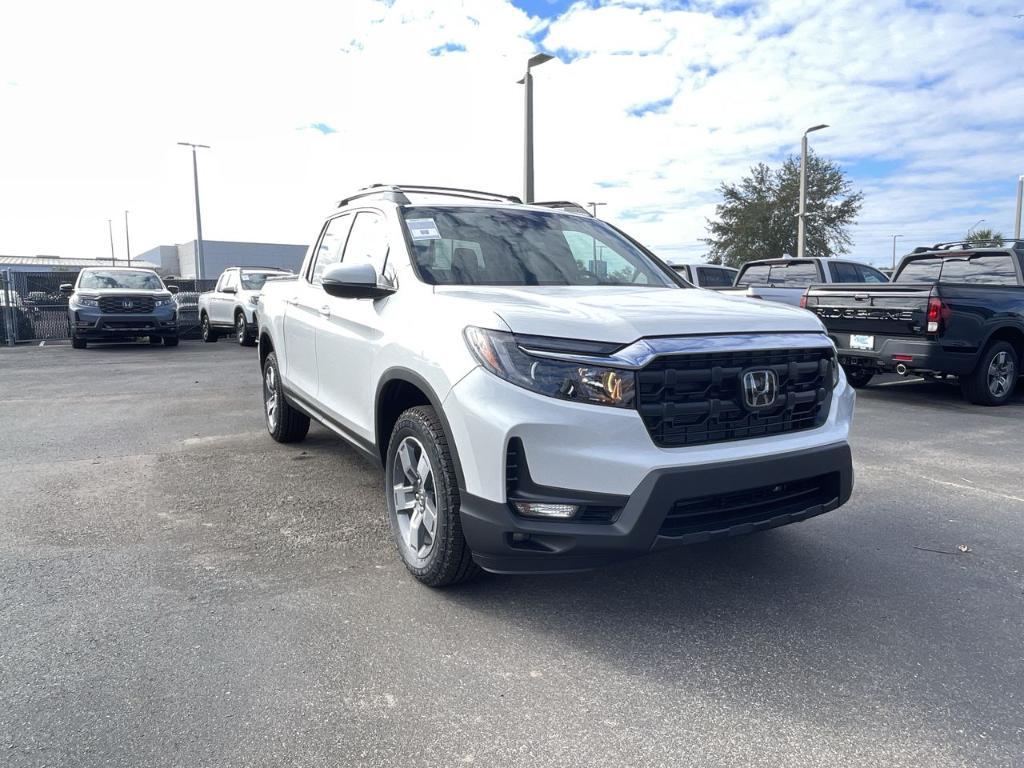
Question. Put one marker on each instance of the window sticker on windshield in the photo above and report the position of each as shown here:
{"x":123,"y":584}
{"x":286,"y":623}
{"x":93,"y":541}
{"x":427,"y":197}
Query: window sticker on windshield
{"x":423,"y":229}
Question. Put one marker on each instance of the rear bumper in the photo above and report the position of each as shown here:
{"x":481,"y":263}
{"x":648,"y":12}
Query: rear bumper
{"x":923,"y":354}
{"x":671,"y":506}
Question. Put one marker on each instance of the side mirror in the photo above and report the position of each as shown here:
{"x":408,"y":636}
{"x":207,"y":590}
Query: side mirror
{"x":229,"y":289}
{"x":66,"y":289}
{"x":172,"y":288}
{"x":354,"y":281}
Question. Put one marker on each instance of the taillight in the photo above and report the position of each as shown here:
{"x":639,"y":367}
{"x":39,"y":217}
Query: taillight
{"x":803,"y":301}
{"x":934,"y":313}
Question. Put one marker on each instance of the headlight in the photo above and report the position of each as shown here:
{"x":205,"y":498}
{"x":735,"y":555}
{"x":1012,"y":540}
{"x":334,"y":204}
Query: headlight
{"x":84,"y":301}
{"x":498,"y":352}
{"x":254,"y":299}
{"x":163,"y":302}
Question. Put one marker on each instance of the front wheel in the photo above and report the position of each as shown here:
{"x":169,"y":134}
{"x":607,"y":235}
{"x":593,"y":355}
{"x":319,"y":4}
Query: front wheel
{"x":206,"y":330}
{"x":170,"y":341}
{"x":423,"y":501}
{"x":994,"y":378}
{"x":284,"y":423}
{"x":242,"y":334}
{"x":77,"y":342}
{"x":858,"y":377}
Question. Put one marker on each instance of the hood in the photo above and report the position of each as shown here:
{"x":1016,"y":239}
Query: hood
{"x":623,"y":314}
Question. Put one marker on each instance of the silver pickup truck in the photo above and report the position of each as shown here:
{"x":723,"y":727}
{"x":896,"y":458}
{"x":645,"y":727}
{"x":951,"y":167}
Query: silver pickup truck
{"x":786,"y":280}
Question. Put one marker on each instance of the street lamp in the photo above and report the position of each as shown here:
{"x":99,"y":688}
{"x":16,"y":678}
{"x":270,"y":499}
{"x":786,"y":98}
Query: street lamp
{"x":974,"y":227}
{"x":894,"y":251}
{"x":801,"y":224}
{"x":200,"y":263}
{"x":1020,"y":205}
{"x":127,"y":241}
{"x":110,"y":229}
{"x":535,"y":61}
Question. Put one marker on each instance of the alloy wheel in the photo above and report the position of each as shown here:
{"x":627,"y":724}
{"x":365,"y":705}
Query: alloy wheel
{"x":270,"y":396}
{"x":415,"y":496}
{"x":1001,"y":375}
{"x":240,"y":328}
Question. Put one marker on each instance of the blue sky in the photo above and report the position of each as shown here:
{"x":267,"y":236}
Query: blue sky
{"x":649,"y":107}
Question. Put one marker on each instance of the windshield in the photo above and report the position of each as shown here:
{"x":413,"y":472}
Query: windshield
{"x":797,"y":274}
{"x":253,"y":281}
{"x":987,"y":268}
{"x":492,"y":246}
{"x":97,"y":279}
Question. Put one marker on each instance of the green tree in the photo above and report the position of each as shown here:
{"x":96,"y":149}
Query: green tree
{"x":757,"y":216}
{"x":985,"y":234}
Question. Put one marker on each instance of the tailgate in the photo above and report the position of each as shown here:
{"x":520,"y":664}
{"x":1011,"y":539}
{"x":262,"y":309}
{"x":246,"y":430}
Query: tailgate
{"x":871,"y":309}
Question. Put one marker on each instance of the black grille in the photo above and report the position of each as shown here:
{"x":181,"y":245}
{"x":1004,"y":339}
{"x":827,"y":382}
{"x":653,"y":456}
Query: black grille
{"x":695,"y":399}
{"x":799,"y":498}
{"x":116,"y":304}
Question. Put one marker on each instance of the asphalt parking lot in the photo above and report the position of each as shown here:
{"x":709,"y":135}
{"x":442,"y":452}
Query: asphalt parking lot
{"x":177,"y":589}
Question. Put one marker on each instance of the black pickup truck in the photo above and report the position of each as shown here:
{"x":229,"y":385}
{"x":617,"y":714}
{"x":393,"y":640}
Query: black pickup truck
{"x":953,"y":309}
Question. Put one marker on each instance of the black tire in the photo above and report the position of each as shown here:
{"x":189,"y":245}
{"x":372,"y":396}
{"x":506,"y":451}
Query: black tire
{"x":978,"y":386}
{"x":78,"y":342}
{"x":206,"y":330}
{"x":155,"y":340}
{"x":170,"y":341}
{"x":242,"y":333}
{"x":285,"y":424}
{"x":448,"y":560}
{"x":858,"y":378}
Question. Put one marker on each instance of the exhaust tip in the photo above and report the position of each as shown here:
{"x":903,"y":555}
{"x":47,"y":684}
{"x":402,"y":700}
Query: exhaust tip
{"x":901,"y":369}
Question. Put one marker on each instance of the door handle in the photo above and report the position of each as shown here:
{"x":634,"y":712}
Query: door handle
{"x":325,"y":310}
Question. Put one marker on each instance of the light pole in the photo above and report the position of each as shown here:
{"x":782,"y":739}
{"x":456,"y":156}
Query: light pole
{"x":200,"y":264}
{"x":593,"y":208}
{"x":127,"y":241}
{"x":974,"y":227}
{"x":801,"y":224}
{"x":894,"y":251}
{"x":1020,"y":205}
{"x":535,"y":61}
{"x":110,"y":229}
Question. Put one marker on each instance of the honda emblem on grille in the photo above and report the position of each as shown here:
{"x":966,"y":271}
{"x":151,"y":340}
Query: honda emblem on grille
{"x":127,"y":304}
{"x":760,"y":388}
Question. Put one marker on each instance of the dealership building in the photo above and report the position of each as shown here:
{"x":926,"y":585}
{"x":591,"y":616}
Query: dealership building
{"x":182,"y":260}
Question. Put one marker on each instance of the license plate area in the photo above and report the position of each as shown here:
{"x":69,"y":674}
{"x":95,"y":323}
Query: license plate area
{"x":862,"y":341}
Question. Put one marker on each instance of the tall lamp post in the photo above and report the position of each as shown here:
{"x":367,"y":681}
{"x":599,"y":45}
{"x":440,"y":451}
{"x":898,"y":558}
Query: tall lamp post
{"x":535,"y":61}
{"x":801,"y":225}
{"x":974,"y":228}
{"x":110,"y":229}
{"x":894,"y":251}
{"x":1020,"y":205}
{"x":200,"y":263}
{"x":127,"y":241}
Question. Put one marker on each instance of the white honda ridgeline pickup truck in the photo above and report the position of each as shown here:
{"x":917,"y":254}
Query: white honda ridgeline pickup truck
{"x":543,"y":393}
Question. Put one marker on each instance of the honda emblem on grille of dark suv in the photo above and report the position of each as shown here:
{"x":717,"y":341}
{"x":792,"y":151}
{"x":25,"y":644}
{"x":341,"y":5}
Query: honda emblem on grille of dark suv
{"x":127,"y":304}
{"x":760,"y":388}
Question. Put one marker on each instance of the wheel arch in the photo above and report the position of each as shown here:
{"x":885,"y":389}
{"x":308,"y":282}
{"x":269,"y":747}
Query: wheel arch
{"x":400,"y":389}
{"x":1012,"y":334}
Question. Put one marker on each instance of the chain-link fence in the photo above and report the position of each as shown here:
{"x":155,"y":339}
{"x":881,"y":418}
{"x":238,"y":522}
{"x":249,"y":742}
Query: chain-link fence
{"x":32,"y":307}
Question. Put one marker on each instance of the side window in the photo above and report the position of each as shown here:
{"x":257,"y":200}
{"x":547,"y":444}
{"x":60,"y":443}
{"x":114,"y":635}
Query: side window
{"x":869,"y":275}
{"x":329,"y":251}
{"x":712,"y":277}
{"x":221,"y":282}
{"x":230,"y":280}
{"x":368,"y":241}
{"x":599,"y":258}
{"x":844,"y":272}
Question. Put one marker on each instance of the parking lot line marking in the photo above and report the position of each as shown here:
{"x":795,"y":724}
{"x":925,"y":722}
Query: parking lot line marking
{"x":972,"y":488}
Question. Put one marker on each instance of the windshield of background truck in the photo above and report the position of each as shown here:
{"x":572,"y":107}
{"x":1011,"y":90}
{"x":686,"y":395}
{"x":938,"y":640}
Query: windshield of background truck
{"x":494,"y":246}
{"x":99,"y":279}
{"x":797,"y":274}
{"x":253,"y":281}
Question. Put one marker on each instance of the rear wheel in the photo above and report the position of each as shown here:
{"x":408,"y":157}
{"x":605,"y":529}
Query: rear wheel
{"x":284,"y":423}
{"x":858,"y":377}
{"x":423,"y":501}
{"x":206,"y":330}
{"x":993,"y":380}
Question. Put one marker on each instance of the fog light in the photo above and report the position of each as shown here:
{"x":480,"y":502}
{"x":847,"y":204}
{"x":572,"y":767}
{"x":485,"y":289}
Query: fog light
{"x":531,"y":509}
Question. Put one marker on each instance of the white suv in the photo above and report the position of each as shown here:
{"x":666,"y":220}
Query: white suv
{"x":231,"y":306}
{"x":544,"y":394}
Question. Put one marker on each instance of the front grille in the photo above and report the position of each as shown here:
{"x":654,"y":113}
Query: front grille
{"x":705,"y":514}
{"x":116,"y":304}
{"x":696,"y":399}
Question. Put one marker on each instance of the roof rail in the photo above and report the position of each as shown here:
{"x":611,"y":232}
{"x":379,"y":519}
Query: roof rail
{"x":564,"y":205}
{"x":260,"y":266}
{"x":1003,"y":242}
{"x":396,"y":193}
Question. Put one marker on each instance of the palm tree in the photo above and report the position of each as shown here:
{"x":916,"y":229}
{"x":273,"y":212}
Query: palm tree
{"x":985,"y":234}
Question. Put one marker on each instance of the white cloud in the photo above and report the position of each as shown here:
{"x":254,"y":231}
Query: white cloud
{"x":94,"y":97}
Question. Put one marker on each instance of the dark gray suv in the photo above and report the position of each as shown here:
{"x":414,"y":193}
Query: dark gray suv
{"x":112,"y":304}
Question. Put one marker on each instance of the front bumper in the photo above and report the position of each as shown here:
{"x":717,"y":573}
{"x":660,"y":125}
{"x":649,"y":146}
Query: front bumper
{"x":890,"y":351}
{"x":93,"y":324}
{"x":671,"y":507}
